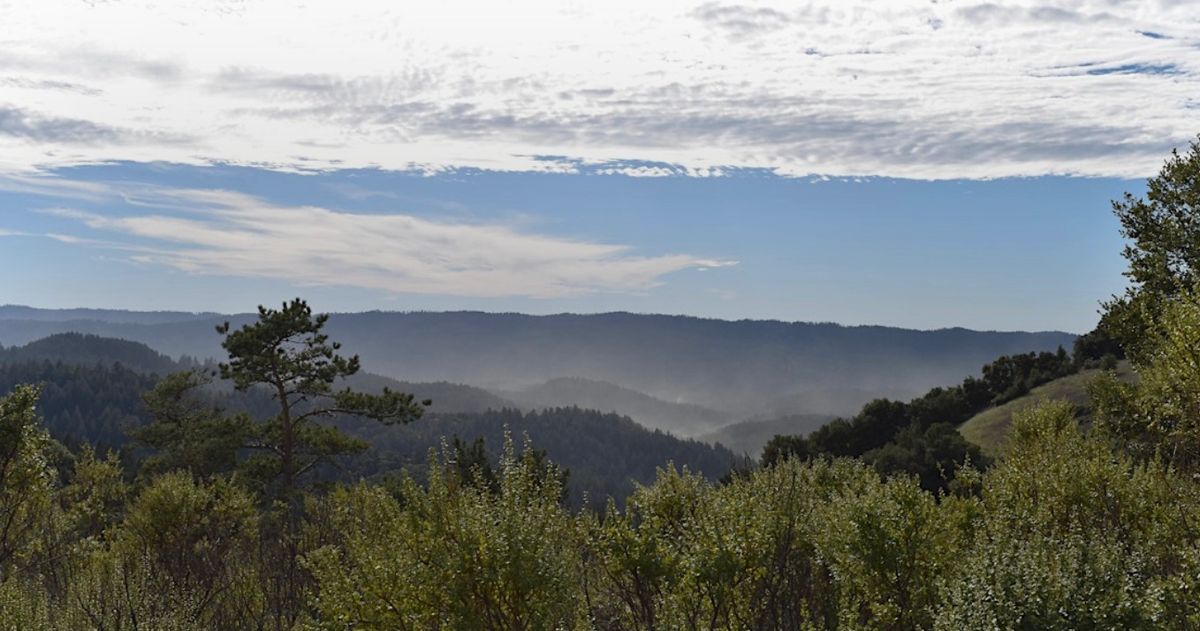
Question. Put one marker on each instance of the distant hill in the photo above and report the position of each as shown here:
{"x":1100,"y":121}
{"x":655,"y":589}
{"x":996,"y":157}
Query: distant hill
{"x":741,"y":368}
{"x":989,"y":429}
{"x":76,"y":348}
{"x":605,"y":453}
{"x":448,"y":398}
{"x":83,"y":403}
{"x":19,"y":312}
{"x":681,"y":418}
{"x":749,"y":437}
{"x":91,"y":393}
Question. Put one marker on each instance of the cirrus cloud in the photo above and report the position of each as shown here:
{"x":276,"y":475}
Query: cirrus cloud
{"x":217,"y":232}
{"x":836,"y":87}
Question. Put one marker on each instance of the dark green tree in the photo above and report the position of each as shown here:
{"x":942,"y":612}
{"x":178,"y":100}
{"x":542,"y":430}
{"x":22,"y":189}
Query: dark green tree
{"x":286,"y":353}
{"x":25,"y":476}
{"x":782,"y":447}
{"x":469,"y":463}
{"x":1163,"y":250}
{"x":1092,"y":348}
{"x":189,"y":433}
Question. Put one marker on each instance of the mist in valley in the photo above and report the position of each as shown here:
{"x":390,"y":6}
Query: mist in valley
{"x":683,"y":375}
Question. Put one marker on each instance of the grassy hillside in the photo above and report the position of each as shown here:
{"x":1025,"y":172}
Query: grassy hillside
{"x":989,"y":429}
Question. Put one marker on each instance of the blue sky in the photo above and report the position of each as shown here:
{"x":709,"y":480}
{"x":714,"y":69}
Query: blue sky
{"x":1030,"y":253}
{"x":906,"y":163}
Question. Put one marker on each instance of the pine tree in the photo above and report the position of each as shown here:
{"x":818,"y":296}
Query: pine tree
{"x":287,"y":353}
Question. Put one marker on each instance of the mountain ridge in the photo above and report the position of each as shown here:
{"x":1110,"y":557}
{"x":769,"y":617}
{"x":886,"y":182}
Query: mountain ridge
{"x":740,"y":368}
{"x":168,"y":315}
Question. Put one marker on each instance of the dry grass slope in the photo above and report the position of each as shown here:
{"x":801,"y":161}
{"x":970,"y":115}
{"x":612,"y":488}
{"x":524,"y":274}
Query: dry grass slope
{"x":989,"y":429}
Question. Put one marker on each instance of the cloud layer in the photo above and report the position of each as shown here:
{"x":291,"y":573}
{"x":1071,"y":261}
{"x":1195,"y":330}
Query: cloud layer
{"x":216,"y":232}
{"x":842,"y":87}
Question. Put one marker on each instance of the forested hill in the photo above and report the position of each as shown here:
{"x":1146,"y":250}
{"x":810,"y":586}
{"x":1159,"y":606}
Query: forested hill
{"x":740,"y":367}
{"x":599,"y":395}
{"x":604,"y":453}
{"x":79,"y":349}
{"x":92,"y":391}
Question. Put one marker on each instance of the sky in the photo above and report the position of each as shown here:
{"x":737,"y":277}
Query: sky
{"x":919,"y":164}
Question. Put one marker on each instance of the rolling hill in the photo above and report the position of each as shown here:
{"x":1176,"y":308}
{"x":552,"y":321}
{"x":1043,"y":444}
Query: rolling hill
{"x":740,"y":368}
{"x":682,"y":418}
{"x":79,"y":349}
{"x":989,"y":429}
{"x":91,"y":393}
{"x":749,"y":437}
{"x":605,"y":453}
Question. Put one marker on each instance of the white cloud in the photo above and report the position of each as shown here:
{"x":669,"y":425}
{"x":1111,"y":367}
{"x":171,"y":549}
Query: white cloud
{"x":841,"y":87}
{"x":218,"y":232}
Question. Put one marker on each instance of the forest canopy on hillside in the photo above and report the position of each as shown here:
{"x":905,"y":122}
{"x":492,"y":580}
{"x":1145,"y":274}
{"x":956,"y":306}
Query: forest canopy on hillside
{"x":228,"y":516}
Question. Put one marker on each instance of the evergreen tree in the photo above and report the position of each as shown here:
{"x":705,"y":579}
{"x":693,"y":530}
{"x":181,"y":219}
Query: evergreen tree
{"x":188,"y":433}
{"x":286,"y":353}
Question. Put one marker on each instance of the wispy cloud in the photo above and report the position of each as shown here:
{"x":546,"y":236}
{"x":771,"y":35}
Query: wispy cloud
{"x":57,"y":187}
{"x":217,"y":232}
{"x":50,"y":130}
{"x":741,"y":20}
{"x":837,"y":87}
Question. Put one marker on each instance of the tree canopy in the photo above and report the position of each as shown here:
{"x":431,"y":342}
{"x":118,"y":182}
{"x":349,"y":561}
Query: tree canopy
{"x":1163,"y":250}
{"x":286,"y":355}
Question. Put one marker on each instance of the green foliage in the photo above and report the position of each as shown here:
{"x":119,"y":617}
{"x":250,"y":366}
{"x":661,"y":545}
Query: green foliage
{"x":918,"y":437}
{"x":26,"y":479}
{"x":455,"y":556}
{"x":1163,"y":251}
{"x":286,"y":353}
{"x":86,"y":554}
{"x":1069,"y":536}
{"x":931,"y":455}
{"x":605,"y":453}
{"x":1096,"y":347}
{"x":188,"y":433}
{"x":191,"y":533}
{"x":887,"y":545}
{"x":470,"y":465}
{"x":94,"y":500}
{"x":283,"y":368}
{"x":799,"y":545}
{"x":83,"y":404}
{"x":1159,"y":414}
{"x":1060,"y":534}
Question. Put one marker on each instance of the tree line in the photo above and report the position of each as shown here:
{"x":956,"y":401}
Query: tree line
{"x":920,"y":437}
{"x":92,"y":393}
